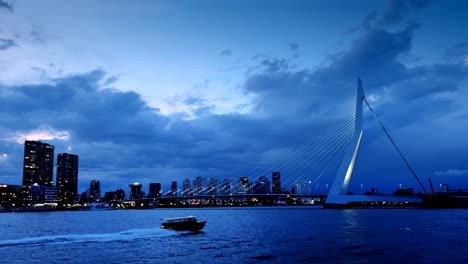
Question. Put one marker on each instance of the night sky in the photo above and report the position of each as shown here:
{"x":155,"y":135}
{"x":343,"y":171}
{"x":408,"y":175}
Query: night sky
{"x":155,"y":91}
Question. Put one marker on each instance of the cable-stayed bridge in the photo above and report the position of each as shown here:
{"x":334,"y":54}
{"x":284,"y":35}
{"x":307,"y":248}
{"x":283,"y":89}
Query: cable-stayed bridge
{"x":316,"y":163}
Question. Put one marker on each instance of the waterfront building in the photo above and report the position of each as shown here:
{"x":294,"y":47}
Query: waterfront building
{"x":174,"y":189}
{"x":14,"y":195}
{"x":38,"y":163}
{"x":227,"y":187}
{"x":117,"y":195}
{"x":213,"y":186}
{"x":300,"y":187}
{"x":50,"y":195}
{"x":67,"y":178}
{"x":242,"y":185}
{"x":186,"y":187}
{"x":276,"y":182}
{"x":84,"y":197}
{"x":95,"y":190}
{"x":42,"y":194}
{"x":262,"y":186}
{"x":199,"y":186}
{"x":154,"y":190}
{"x":135,"y":191}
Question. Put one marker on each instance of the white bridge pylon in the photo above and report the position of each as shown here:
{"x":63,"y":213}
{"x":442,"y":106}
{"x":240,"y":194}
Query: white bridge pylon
{"x":339,"y":195}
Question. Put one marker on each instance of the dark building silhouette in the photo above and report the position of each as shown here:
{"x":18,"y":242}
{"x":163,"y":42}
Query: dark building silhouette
{"x":118,"y":195}
{"x":262,"y":186}
{"x":154,"y":190}
{"x":227,"y":186}
{"x":94,"y":190}
{"x":174,"y":189}
{"x":276,"y":182}
{"x":38,"y":163}
{"x":213,"y":186}
{"x":186,"y":187}
{"x":67,"y":178}
{"x":14,"y":195}
{"x":242,"y":185}
{"x":135,"y":190}
{"x":199,"y":186}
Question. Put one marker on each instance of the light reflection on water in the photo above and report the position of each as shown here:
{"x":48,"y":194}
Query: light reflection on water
{"x":242,"y":235}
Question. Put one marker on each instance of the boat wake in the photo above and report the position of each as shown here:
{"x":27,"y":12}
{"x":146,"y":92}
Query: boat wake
{"x":123,"y":236}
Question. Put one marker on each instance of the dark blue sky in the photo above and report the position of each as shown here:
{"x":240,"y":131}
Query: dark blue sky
{"x":154,"y":91}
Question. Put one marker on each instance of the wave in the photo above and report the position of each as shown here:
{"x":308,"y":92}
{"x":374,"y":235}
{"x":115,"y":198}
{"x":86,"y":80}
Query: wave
{"x":124,"y":236}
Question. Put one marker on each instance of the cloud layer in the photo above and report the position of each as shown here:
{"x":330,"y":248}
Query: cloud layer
{"x":121,"y":139}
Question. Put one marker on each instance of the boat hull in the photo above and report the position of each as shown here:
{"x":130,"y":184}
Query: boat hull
{"x":185,"y":226}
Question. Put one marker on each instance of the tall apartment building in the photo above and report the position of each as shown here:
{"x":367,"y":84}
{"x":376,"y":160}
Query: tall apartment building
{"x":38,"y":165}
{"x":276,"y":180}
{"x":67,"y":178}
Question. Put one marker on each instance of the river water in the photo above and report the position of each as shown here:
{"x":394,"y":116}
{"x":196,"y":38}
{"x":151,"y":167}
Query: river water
{"x":238,"y":235}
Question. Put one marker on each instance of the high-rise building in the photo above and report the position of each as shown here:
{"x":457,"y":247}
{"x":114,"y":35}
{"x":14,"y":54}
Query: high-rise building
{"x":213,"y":186}
{"x":174,"y":189}
{"x":227,"y":186}
{"x":276,"y":182}
{"x":262,"y":186}
{"x":186,"y":188}
{"x":38,"y":165}
{"x":242,"y":185}
{"x":154,"y":190}
{"x":95,"y":190}
{"x":67,"y":178}
{"x":135,"y":190}
{"x":199,"y":186}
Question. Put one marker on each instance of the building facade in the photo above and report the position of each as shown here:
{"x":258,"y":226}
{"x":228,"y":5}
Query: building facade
{"x":95,"y":190}
{"x":42,"y":195}
{"x":199,"y":186}
{"x":12,"y":196}
{"x":186,"y":188}
{"x":174,"y":189}
{"x":276,"y":182}
{"x":213,"y":186}
{"x":67,"y":178}
{"x":154,"y":190}
{"x":135,"y":191}
{"x":227,"y":187}
{"x":262,"y":186}
{"x":242,"y":185}
{"x":38,"y":164}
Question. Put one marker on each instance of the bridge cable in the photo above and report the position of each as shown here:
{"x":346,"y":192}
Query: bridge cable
{"x":396,"y":147}
{"x":311,"y":145}
{"x":325,"y":152}
{"x":269,"y":158}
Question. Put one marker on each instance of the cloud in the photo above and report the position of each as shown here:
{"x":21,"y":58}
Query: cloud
{"x":110,"y":80}
{"x":293,"y":46}
{"x":118,"y":136}
{"x":226,"y":52}
{"x":42,"y":133}
{"x":399,"y":10}
{"x":7,"y":44}
{"x":395,"y":12}
{"x":452,"y":172}
{"x":457,"y":53}
{"x":5,"y":5}
{"x":192,"y":100}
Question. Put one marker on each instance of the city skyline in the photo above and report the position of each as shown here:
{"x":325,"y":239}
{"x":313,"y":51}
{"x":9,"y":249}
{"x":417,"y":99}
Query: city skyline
{"x":168,"y":90}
